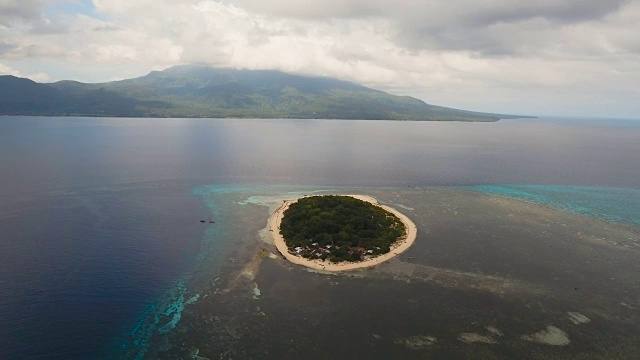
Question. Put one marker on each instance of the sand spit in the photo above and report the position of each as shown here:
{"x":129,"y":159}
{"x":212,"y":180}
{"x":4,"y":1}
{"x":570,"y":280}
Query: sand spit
{"x":248,"y":273}
{"x":417,"y":342}
{"x":494,"y":331}
{"x":549,"y":336}
{"x":577,"y":318}
{"x":469,"y":338}
{"x":396,"y":249}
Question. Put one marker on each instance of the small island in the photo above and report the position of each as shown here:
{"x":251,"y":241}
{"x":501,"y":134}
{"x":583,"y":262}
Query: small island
{"x":340,"y":232}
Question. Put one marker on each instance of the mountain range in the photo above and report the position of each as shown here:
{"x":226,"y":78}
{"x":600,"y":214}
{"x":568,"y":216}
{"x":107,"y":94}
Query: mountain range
{"x":202,"y":91}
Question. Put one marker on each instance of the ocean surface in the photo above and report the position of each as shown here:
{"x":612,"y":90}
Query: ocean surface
{"x":100,"y":236}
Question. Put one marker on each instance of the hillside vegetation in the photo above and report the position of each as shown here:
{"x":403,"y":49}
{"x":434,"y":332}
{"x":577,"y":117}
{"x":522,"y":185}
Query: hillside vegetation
{"x":200,"y":91}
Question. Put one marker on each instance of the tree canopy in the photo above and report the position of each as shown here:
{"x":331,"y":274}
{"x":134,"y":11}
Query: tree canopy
{"x":339,"y":228}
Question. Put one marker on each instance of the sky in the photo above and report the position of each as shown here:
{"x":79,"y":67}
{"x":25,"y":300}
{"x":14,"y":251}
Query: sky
{"x":543,"y":57}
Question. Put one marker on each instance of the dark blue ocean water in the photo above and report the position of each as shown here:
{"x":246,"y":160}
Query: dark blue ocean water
{"x":100,"y":241}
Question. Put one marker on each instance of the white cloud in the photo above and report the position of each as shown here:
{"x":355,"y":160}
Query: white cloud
{"x":547,"y":56}
{"x":7,"y":70}
{"x":18,"y":10}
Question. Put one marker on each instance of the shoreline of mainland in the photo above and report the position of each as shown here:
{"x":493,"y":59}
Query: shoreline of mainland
{"x":397,"y":248}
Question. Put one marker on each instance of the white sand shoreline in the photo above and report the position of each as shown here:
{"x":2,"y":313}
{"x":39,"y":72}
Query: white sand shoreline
{"x":397,"y":248}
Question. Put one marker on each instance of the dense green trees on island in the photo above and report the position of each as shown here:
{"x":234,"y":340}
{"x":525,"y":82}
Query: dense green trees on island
{"x":339,"y":228}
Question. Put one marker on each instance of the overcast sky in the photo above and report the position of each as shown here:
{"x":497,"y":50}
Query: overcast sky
{"x":562,"y":57}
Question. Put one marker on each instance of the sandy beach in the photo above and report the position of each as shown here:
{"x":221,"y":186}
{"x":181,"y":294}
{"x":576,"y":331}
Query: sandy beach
{"x":397,"y":248}
{"x":466,"y":294}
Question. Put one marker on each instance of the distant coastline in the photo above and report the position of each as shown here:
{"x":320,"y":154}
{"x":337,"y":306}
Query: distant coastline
{"x":249,"y":117}
{"x":209,"y":92}
{"x":397,"y":248}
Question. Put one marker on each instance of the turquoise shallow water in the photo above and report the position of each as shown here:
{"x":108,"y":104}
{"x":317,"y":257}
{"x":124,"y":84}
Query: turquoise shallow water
{"x":162,"y":315}
{"x":102,"y":215}
{"x":620,"y":205}
{"x":613,"y":204}
{"x":224,"y":202}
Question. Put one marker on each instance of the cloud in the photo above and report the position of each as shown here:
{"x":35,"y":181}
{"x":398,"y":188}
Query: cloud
{"x":437,"y":13}
{"x":494,"y":27}
{"x":315,"y":9}
{"x":18,"y":10}
{"x":7,"y":70}
{"x":501,"y":56}
{"x":6,"y":47}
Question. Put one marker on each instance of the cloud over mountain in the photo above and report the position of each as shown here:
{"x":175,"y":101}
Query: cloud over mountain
{"x":565,"y":57}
